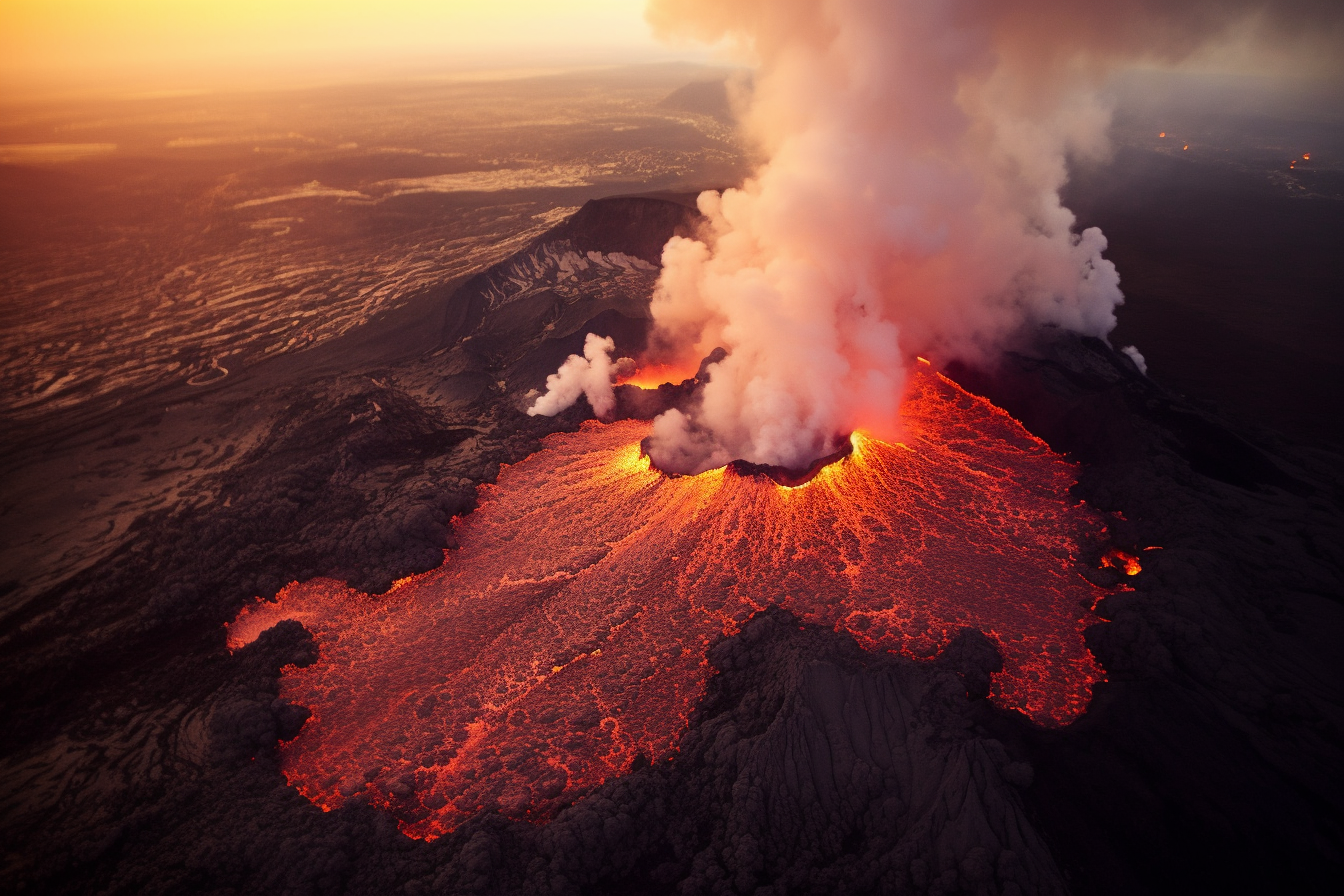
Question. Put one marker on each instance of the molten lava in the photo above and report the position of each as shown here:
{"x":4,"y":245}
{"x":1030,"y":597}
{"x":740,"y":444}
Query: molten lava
{"x":651,"y":376}
{"x":568,"y":634}
{"x":1118,"y":559}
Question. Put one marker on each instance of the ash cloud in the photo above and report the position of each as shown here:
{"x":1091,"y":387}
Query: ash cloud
{"x":909,"y":203}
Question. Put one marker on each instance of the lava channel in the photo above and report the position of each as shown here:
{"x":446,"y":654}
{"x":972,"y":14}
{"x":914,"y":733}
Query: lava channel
{"x":567,"y":636}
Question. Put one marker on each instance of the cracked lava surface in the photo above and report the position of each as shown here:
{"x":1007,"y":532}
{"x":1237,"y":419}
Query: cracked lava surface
{"x":567,"y":635}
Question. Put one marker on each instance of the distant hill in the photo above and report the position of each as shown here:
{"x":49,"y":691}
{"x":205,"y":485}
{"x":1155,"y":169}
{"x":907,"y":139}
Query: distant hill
{"x":702,"y":98}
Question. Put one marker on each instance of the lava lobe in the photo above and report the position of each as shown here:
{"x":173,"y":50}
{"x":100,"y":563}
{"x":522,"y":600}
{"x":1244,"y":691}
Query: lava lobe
{"x":567,"y":636}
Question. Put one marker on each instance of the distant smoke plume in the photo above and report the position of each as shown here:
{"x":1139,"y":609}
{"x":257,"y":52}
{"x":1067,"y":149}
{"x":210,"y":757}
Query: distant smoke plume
{"x":591,"y":376}
{"x":1136,"y":356}
{"x":909,"y":204}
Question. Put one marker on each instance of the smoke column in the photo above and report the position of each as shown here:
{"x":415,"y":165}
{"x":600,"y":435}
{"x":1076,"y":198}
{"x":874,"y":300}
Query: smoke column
{"x":591,"y":375}
{"x":909,"y":204}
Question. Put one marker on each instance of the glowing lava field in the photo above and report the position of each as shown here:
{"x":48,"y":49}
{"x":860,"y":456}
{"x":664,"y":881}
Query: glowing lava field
{"x":567,"y":637}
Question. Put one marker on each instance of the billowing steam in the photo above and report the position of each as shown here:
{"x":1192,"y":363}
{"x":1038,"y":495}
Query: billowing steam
{"x":909,"y":204}
{"x":591,"y":376}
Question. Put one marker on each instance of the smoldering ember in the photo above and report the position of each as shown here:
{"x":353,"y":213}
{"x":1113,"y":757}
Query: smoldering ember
{"x":908,"y":465}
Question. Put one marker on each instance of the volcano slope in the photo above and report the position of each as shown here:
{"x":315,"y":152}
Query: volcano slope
{"x":141,"y":755}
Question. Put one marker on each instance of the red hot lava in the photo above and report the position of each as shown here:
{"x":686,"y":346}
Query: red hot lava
{"x":654,"y":375}
{"x":1118,"y":559}
{"x":567,"y":636}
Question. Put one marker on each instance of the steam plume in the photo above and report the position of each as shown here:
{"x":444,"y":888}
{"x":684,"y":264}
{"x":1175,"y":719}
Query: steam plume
{"x":909,"y":204}
{"x":591,"y":375}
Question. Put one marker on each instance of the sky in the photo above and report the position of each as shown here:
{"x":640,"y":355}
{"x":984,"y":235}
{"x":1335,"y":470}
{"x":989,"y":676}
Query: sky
{"x":78,"y":46}
{"x":184,"y":43}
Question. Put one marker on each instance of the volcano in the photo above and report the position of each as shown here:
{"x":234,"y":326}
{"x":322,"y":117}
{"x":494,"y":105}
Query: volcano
{"x":1068,"y":632}
{"x":567,"y":636}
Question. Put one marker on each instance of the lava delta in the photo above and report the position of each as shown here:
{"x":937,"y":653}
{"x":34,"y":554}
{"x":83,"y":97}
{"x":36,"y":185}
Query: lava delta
{"x":565,"y":640}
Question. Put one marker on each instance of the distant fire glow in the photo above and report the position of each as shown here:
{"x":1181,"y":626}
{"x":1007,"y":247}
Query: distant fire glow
{"x":652,"y":376}
{"x":1163,"y":134}
{"x":1126,"y":563}
{"x":568,"y":635}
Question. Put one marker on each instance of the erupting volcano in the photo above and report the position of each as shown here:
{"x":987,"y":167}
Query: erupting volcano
{"x":566,"y":639}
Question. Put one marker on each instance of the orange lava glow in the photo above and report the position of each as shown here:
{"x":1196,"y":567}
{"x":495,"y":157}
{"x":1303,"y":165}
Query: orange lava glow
{"x":1306,"y":157}
{"x":654,"y":375}
{"x":1126,"y":563}
{"x":567,"y":636}
{"x":1163,"y":134}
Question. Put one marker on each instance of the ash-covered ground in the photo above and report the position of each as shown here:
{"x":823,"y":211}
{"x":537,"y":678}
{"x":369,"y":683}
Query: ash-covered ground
{"x":139,"y":754}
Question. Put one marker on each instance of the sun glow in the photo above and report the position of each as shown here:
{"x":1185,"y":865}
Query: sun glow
{"x":167,"y":39}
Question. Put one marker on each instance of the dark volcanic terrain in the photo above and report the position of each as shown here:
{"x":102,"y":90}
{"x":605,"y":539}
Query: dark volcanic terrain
{"x":139,"y":754}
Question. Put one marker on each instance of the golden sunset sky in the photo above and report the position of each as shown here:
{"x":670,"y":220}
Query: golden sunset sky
{"x":167,"y":43}
{"x":66,"y":46}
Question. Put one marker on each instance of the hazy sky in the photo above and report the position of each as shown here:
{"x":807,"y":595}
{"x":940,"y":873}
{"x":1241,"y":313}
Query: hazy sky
{"x":112,"y":45}
{"x":178,"y":42}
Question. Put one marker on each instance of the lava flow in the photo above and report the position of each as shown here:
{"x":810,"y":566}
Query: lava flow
{"x":568,"y":634}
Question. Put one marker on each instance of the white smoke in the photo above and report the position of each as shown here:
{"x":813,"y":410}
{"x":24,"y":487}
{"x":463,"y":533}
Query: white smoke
{"x":909,"y":205}
{"x":591,"y":375}
{"x":1137,"y":357}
